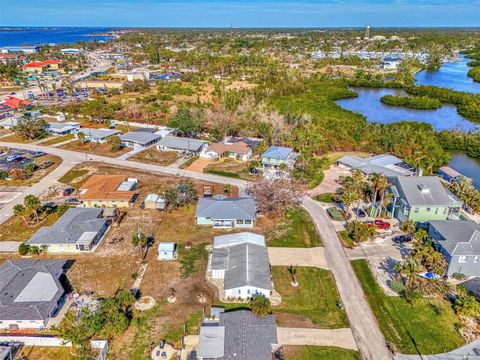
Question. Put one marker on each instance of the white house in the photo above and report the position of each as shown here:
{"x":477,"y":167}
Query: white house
{"x":70,"y":127}
{"x":98,"y":135}
{"x":179,"y":144}
{"x":240,"y":263}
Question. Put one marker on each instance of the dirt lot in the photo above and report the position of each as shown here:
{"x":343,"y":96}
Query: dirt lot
{"x":235,"y":168}
{"x":153,"y":156}
{"x":94,"y":148}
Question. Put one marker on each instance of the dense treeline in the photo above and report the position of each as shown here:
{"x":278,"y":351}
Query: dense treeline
{"x":458,"y":140}
{"x":412,"y":102}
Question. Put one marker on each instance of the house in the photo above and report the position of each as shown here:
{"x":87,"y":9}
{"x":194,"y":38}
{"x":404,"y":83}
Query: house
{"x":450,"y":175}
{"x":56,"y":128}
{"x":179,"y":144}
{"x":77,"y":230}
{"x":459,"y":242}
{"x":154,"y":201}
{"x":6,"y":59}
{"x":20,"y":49}
{"x":422,"y":199}
{"x":167,"y":251}
{"x":70,"y":51}
{"x":108,"y":191}
{"x":238,"y":150}
{"x":384,"y":164}
{"x":277,"y":156}
{"x":98,"y":135}
{"x":252,"y":143}
{"x":237,"y":335}
{"x":139,"y":139}
{"x":36,"y":67}
{"x":239,"y":262}
{"x":31,"y":293}
{"x":10,"y":103}
{"x":225,"y":212}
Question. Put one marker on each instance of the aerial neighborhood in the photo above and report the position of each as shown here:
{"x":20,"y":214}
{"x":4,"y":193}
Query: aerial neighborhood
{"x":250,"y":195}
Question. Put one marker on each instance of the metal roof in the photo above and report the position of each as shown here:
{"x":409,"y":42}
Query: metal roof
{"x":458,"y":237}
{"x":238,"y":238}
{"x":140,"y":137}
{"x":179,"y":143}
{"x":211,"y":342}
{"x":380,"y":164}
{"x":99,"y":133}
{"x":220,"y":208}
{"x":278,"y":152}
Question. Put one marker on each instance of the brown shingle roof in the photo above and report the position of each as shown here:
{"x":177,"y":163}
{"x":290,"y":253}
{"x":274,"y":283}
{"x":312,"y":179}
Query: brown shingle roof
{"x":237,"y":148}
{"x":104,"y":187}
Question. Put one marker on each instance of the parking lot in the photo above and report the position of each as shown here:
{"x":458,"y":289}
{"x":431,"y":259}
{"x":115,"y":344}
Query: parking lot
{"x":17,"y":159}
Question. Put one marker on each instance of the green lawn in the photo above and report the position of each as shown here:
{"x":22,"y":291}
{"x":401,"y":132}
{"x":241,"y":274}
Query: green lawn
{"x":347,"y":241}
{"x":326,"y":198}
{"x":426,"y":326}
{"x":320,"y":353}
{"x":72,"y":175}
{"x":335,"y":214}
{"x":315,"y":298}
{"x":295,"y":230}
{"x":58,"y":140}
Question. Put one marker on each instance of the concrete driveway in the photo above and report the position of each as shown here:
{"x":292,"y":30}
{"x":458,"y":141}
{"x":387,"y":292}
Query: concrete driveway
{"x":330,"y":181}
{"x":318,"y":337}
{"x":311,"y":257}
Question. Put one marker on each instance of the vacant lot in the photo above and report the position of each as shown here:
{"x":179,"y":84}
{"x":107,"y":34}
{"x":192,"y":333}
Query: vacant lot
{"x":229,"y":167}
{"x":45,"y":353}
{"x":313,"y":303}
{"x":319,"y":353}
{"x":153,"y":156}
{"x":426,"y":326}
{"x":94,"y":148}
{"x":295,"y":230}
{"x":18,"y":139}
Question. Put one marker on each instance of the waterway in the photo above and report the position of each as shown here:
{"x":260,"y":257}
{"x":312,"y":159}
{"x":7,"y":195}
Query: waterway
{"x":467,"y":166}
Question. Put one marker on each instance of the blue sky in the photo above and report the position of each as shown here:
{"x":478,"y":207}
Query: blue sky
{"x":247,"y":13}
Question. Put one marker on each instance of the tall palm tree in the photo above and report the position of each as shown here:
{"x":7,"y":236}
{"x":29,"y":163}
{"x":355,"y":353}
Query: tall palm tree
{"x":348,"y":197}
{"x":32,"y":203}
{"x":19,"y":210}
{"x":374,"y":180}
{"x":382,"y":186}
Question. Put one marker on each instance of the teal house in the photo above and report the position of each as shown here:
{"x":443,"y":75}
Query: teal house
{"x":422,"y":199}
{"x":276,"y":156}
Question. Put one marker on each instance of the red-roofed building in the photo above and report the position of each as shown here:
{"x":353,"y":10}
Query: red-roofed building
{"x":41,"y":66}
{"x":10,"y":58}
{"x":11,"y":103}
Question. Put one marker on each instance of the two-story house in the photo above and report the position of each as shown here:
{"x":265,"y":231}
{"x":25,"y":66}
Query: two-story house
{"x":277,"y":156}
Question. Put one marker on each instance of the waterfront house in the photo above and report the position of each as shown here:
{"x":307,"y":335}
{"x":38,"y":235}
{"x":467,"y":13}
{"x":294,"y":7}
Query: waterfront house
{"x":139,"y":139}
{"x":108,"y":191}
{"x":277,"y":156}
{"x":459,"y":242}
{"x":237,"y":335}
{"x":383,"y":164}
{"x":422,"y":199}
{"x":450,"y":175}
{"x":31,"y":293}
{"x":182,"y":145}
{"x":224,"y":212}
{"x":98,"y":135}
{"x":78,"y":230}
{"x":238,"y":265}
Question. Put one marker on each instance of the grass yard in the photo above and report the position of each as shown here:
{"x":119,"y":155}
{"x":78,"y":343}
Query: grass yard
{"x":229,"y":167}
{"x":14,"y":229}
{"x":319,"y":353}
{"x":346,"y":240}
{"x":153,"y":156}
{"x":18,"y":139}
{"x":315,"y":298}
{"x":295,"y":230}
{"x":94,"y":148}
{"x":335,"y":214}
{"x":426,"y":326}
{"x":57,"y":140}
{"x":326,"y":198}
{"x":45,"y":353}
{"x":72,"y":177}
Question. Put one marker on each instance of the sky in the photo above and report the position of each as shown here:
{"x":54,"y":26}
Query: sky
{"x":247,"y":13}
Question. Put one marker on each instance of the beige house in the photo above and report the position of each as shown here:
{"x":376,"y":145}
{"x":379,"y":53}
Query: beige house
{"x":108,"y":191}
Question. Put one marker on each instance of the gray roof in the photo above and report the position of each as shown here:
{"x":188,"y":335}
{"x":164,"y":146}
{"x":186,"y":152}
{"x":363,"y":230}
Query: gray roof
{"x":99,"y":133}
{"x":62,"y":126}
{"x":457,"y":237}
{"x":245,"y":263}
{"x":473,"y":286}
{"x":238,"y":238}
{"x":225,"y":208}
{"x":246,"y":337}
{"x":424,"y":191}
{"x":179,"y":143}
{"x":140,"y":137}
{"x":70,"y":227}
{"x":380,"y":164}
{"x":29,"y":289}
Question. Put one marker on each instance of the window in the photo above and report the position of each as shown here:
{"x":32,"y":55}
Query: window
{"x":462,"y":259}
{"x":428,"y":209}
{"x":248,"y":221}
{"x":436,"y":211}
{"x":239,"y":291}
{"x":248,"y":291}
{"x":444,"y":211}
{"x":239,"y":221}
{"x":475,"y":259}
{"x":416,"y":211}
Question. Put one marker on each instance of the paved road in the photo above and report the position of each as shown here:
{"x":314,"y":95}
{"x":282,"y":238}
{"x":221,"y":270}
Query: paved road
{"x":468,"y":352}
{"x":317,"y":337}
{"x":282,"y":256}
{"x":364,"y":326}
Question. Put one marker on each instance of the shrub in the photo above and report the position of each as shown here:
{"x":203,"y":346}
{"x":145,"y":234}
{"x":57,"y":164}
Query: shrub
{"x":23,"y":249}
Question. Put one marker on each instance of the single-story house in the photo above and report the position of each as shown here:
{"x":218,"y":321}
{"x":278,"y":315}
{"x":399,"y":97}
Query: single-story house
{"x":154,"y":201}
{"x":139,"y":139}
{"x":449,"y":174}
{"x":238,"y":150}
{"x":31,"y":293}
{"x":167,"y":251}
{"x":98,"y":135}
{"x":459,"y":242}
{"x":383,"y":164}
{"x":69,"y":127}
{"x":237,"y":335}
{"x":240,"y":262}
{"x":175,"y":143}
{"x":77,"y":230}
{"x":252,"y":143}
{"x":226,"y":212}
{"x":422,"y":199}
{"x":276,"y":156}
{"x":108,"y":191}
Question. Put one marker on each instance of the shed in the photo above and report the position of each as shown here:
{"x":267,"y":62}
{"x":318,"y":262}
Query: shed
{"x":154,"y":201}
{"x":167,"y":251}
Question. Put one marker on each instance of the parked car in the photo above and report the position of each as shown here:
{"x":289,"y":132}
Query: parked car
{"x":46,"y":164}
{"x":71,"y":201}
{"x":36,"y":154}
{"x":403,"y":238}
{"x":360,"y":212}
{"x":21,"y":152}
{"x":12,"y":157}
{"x":19,"y":159}
{"x":381,"y":224}
{"x":25,"y":160}
{"x":68,"y":191}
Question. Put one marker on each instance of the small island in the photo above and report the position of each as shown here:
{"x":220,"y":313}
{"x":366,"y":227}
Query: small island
{"x":412,"y":102}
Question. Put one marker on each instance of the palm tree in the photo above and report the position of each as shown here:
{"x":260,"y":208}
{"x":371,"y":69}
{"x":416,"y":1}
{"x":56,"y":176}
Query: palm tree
{"x":409,"y":227}
{"x":19,"y":210}
{"x":260,"y":305}
{"x":410,"y":270}
{"x":467,"y":305}
{"x":382,"y":187}
{"x":292,"y":270}
{"x":81,"y":137}
{"x":348,"y":197}
{"x":32,"y":203}
{"x":141,"y":241}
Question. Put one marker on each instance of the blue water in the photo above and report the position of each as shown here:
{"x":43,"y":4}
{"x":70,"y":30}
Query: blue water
{"x":60,"y":35}
{"x":368,"y":104}
{"x":467,"y":166}
{"x":452,"y":75}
